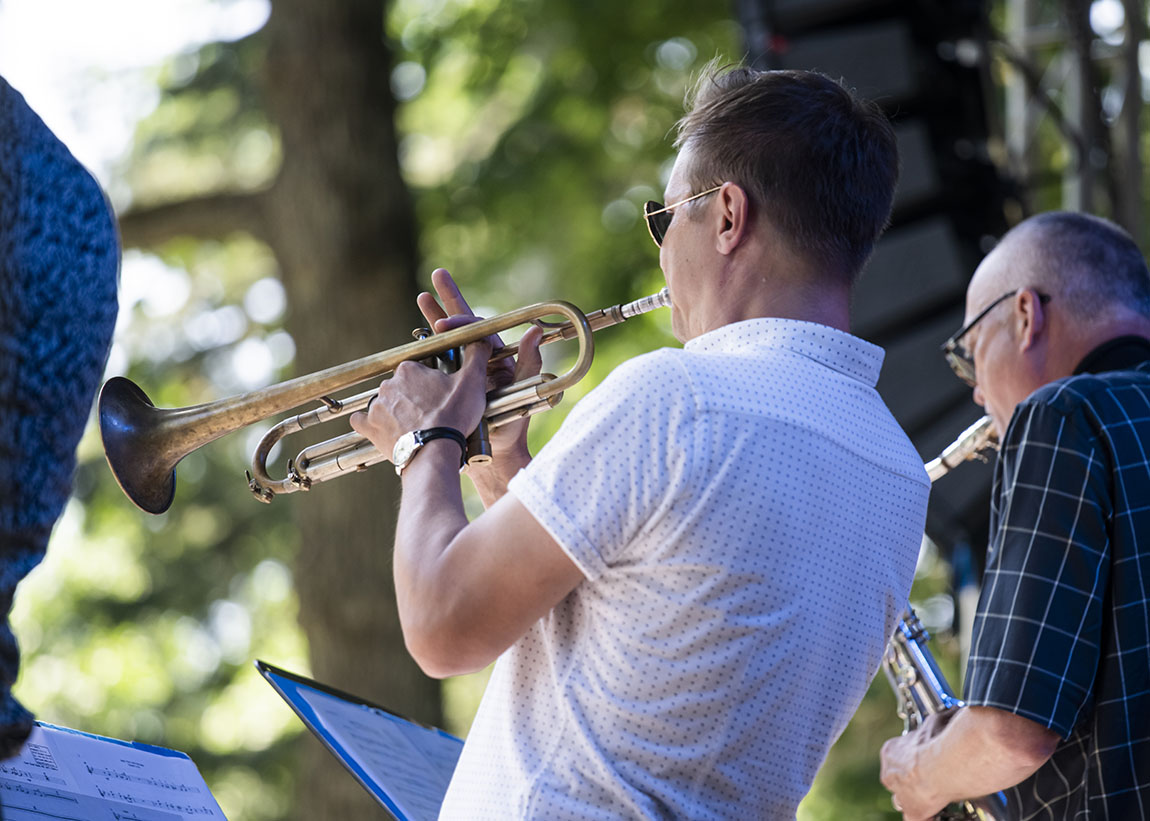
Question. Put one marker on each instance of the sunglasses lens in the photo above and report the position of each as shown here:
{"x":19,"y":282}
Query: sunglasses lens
{"x":658,"y":220}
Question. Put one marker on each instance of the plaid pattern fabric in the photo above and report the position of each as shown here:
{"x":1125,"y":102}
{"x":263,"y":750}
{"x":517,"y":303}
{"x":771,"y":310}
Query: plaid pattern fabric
{"x":1062,"y":632}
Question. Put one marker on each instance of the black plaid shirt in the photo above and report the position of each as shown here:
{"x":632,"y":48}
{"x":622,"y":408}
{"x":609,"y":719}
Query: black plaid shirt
{"x":1062,"y":632}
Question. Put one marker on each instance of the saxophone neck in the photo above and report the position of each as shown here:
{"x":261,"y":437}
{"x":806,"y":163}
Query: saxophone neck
{"x":972,"y":443}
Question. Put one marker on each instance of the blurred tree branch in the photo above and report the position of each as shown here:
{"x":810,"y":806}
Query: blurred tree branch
{"x":209,"y":217}
{"x":1032,"y":77}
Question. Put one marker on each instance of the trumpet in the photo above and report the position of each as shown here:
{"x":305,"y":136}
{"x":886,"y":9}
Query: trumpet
{"x":143,"y":443}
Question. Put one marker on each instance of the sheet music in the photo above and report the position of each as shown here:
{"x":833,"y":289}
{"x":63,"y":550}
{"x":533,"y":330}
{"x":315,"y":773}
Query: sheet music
{"x":410,"y":763}
{"x":65,"y":775}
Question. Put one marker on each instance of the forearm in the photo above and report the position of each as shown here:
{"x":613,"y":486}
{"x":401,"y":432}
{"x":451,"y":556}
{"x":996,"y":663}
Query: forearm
{"x":468,"y":590}
{"x":971,"y":758}
{"x":431,"y":516}
{"x":979,"y":752}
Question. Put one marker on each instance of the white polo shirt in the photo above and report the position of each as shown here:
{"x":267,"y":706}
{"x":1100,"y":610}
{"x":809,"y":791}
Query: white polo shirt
{"x":747,"y":514}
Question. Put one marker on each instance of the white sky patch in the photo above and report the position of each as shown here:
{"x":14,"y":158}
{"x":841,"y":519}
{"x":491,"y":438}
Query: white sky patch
{"x":87,"y":67}
{"x":145,"y":278}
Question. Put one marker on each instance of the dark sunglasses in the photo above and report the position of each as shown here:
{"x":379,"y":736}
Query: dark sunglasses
{"x":659,"y":216}
{"x":960,"y":359}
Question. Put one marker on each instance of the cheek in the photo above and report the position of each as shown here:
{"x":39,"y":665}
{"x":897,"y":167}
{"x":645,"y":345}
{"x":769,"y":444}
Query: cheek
{"x":995,"y":382}
{"x":985,"y":367}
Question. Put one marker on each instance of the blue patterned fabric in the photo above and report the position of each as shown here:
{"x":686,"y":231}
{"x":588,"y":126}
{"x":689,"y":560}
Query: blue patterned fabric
{"x":1062,"y":631}
{"x":59,"y":265}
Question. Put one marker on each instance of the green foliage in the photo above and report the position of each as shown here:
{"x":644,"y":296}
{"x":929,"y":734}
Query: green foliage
{"x":531,"y":161}
{"x":209,"y":131}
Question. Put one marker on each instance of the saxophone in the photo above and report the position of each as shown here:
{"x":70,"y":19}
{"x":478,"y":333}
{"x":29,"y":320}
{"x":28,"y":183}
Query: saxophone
{"x":918,"y":683}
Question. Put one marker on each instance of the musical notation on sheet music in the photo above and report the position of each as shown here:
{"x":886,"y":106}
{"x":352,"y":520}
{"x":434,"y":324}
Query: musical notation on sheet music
{"x":112,"y":774}
{"x":31,"y":803}
{"x":418,"y":761}
{"x":64,"y":775}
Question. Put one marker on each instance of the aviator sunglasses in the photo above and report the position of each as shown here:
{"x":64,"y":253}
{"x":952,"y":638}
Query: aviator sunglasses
{"x":958,"y":356}
{"x":659,"y":216}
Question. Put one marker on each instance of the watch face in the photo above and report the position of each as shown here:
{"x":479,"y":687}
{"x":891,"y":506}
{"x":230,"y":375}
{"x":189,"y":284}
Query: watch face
{"x":405,"y":446}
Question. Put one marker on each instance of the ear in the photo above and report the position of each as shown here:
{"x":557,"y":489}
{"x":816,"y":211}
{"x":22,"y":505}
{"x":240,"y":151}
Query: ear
{"x":735,"y":217}
{"x":1029,"y":317}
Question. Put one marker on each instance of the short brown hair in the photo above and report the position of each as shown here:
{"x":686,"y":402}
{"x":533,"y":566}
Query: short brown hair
{"x":820,"y":163}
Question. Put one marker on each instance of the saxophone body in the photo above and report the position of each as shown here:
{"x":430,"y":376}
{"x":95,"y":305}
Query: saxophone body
{"x":914,"y":675}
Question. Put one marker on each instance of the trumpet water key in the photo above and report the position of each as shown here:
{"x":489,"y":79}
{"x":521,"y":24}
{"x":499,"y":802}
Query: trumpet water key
{"x":914,"y":675}
{"x":143,"y":444}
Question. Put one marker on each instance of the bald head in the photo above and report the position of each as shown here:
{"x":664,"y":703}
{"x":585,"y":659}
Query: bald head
{"x":1058,"y":285}
{"x":1091,"y":265}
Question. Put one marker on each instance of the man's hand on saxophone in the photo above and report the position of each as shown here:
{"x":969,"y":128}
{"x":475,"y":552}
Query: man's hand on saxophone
{"x":950,"y":757}
{"x":900,"y":758}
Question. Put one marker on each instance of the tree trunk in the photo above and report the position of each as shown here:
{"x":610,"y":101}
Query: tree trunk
{"x":1098,"y":156}
{"x":1128,"y":134}
{"x":342,"y":227}
{"x":1079,"y":192}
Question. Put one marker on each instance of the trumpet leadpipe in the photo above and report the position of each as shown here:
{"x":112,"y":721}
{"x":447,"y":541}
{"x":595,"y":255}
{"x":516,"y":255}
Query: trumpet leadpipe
{"x":598,"y":320}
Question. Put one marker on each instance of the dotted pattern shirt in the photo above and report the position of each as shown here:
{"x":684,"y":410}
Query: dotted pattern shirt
{"x":747,"y":514}
{"x":1062,"y":631}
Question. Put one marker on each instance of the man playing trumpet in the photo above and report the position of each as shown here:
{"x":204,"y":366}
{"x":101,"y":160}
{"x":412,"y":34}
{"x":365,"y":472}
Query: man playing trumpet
{"x":690,"y":587}
{"x":1057,"y":348}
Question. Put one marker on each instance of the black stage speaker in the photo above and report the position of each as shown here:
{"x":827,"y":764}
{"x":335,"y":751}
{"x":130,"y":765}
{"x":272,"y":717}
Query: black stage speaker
{"x":925,"y":63}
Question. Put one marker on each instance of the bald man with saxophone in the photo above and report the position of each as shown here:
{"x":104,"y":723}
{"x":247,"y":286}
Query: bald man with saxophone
{"x":1057,"y":349}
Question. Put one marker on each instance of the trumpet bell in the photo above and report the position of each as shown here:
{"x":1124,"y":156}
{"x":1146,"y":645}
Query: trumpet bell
{"x":142,"y":465}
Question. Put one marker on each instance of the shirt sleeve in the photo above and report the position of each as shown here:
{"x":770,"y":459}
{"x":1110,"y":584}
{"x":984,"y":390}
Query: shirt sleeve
{"x":1037,"y":631}
{"x":621,"y":457}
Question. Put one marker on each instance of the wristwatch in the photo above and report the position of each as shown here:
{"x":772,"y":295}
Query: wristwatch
{"x":409,"y":444}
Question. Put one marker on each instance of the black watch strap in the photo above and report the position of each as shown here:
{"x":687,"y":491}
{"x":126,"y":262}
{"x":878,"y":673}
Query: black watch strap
{"x":412,"y":442}
{"x":428,"y":434}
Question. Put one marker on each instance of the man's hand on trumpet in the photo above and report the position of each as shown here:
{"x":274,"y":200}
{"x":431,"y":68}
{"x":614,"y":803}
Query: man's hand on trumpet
{"x":508,"y":441}
{"x":416,"y":397}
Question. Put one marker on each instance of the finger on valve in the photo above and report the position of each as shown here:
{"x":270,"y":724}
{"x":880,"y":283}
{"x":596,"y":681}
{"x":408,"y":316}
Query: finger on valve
{"x":529,"y":362}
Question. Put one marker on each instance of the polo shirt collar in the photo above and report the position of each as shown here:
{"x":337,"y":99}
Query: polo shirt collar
{"x":828,"y":346}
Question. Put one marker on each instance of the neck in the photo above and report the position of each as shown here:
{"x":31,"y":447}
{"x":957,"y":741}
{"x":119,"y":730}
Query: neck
{"x":1087,"y":339}
{"x":781,"y":292}
{"x":759,"y":277}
